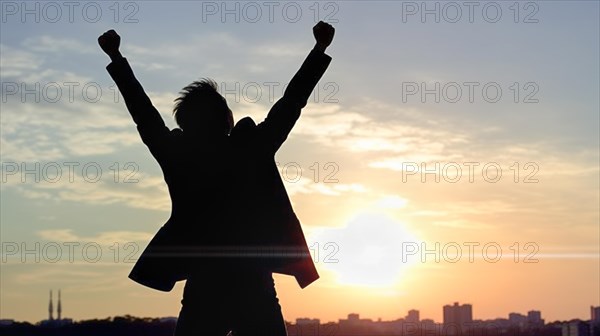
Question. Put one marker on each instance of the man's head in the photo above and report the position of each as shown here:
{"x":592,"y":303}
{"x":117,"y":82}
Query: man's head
{"x":200,"y":108}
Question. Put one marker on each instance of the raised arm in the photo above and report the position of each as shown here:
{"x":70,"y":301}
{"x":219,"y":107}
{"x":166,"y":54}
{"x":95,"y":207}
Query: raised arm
{"x":283,"y":115}
{"x":149,"y":123}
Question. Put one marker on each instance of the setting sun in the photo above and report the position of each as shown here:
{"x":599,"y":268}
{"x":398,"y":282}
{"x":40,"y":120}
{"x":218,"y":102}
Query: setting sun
{"x":368,"y":250}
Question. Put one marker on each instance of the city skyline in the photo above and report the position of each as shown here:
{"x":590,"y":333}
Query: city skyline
{"x":455,"y":313}
{"x":458,"y":320}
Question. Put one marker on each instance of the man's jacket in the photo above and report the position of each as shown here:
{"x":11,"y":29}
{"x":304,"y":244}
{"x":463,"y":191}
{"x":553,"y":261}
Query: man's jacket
{"x":228,"y":202}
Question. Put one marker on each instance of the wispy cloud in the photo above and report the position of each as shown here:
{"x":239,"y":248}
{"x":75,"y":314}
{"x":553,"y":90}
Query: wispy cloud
{"x":52,"y":44}
{"x":15,"y":62}
{"x":104,"y":238}
{"x":148,"y":192}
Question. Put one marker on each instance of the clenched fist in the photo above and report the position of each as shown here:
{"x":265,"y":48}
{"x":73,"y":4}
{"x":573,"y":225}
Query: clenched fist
{"x":323,"y":33}
{"x":109,"y":42}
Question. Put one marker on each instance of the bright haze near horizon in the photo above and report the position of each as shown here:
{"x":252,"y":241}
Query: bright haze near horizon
{"x":449,"y":153}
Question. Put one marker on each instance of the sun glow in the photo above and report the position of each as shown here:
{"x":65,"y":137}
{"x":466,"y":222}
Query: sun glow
{"x":368,"y":250}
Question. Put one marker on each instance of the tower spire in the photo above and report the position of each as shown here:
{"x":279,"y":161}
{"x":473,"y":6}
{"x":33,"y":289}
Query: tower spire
{"x":50,"y":308}
{"x":59,"y":307}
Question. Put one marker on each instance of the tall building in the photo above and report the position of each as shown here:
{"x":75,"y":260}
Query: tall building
{"x":305,"y":326}
{"x":59,"y":307}
{"x":595,"y":315}
{"x":457,"y":318}
{"x":517,"y":320}
{"x":300,"y":321}
{"x":595,"y":321}
{"x":355,"y":326}
{"x":575,"y":328}
{"x":59,"y":321}
{"x":534,"y":318}
{"x":50,"y":308}
{"x":413,"y":316}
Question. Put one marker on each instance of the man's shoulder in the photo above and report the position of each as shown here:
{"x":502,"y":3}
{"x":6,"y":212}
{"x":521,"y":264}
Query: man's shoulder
{"x":176,"y":134}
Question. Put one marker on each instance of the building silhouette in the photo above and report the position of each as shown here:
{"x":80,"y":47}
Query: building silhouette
{"x":50,"y":308}
{"x":575,"y":328}
{"x":595,"y":321}
{"x":595,"y":314}
{"x":59,"y":307}
{"x":59,"y":321}
{"x":413,"y":316}
{"x":457,"y":318}
{"x":354,"y":325}
{"x":534,"y":319}
{"x":517,"y":320}
{"x":458,"y":321}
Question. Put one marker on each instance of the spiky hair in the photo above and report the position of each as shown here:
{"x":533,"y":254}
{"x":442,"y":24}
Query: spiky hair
{"x":200,"y":97}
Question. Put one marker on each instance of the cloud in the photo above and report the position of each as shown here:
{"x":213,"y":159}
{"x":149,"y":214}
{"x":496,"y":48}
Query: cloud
{"x":15,"y":62}
{"x":279,"y":50}
{"x":38,"y":128}
{"x":21,"y":149}
{"x":99,"y":142}
{"x":103,"y":238}
{"x":51,"y":44}
{"x":144,"y":192}
{"x":31,"y":133}
{"x":305,"y":185}
{"x":392,"y":202}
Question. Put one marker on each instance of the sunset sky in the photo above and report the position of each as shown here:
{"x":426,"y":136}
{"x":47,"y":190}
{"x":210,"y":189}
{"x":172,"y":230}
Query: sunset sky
{"x":511,"y":149}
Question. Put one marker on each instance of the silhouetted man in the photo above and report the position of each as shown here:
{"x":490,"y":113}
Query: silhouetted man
{"x":232,"y":224}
